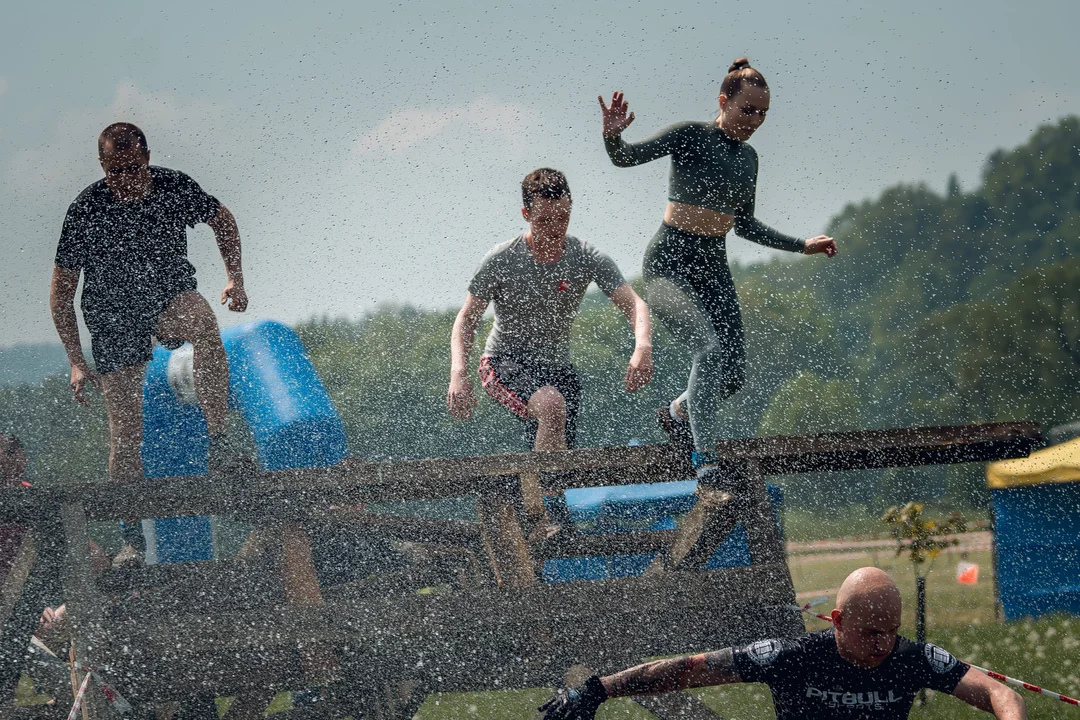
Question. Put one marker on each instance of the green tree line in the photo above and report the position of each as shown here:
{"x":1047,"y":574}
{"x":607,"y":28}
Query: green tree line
{"x":941,"y":308}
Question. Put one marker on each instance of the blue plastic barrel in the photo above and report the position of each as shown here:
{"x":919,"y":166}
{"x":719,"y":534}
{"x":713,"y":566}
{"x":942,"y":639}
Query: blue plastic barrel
{"x":1037,"y":531}
{"x":274,"y":386}
{"x":644,"y":507}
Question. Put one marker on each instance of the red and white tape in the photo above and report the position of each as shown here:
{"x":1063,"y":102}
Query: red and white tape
{"x":79,"y":697}
{"x":996,"y":675}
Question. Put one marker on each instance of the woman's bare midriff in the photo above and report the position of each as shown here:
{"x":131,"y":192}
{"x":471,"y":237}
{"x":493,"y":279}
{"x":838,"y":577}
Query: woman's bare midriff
{"x":698,"y":220}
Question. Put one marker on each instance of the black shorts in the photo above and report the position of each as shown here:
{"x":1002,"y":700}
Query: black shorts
{"x":119,"y":340}
{"x":511,"y":382}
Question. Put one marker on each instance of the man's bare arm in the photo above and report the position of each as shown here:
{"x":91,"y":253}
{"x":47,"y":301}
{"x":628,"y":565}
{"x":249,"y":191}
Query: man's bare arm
{"x":640,"y":370}
{"x":978,"y":690}
{"x":62,"y":305}
{"x":636,"y":312}
{"x":464,"y":332}
{"x":227,"y":235}
{"x":460,"y":398}
{"x":689,"y":671}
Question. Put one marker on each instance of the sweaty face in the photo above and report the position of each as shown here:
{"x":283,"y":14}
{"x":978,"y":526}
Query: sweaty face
{"x":127,"y":172}
{"x":549,"y":217}
{"x":866,"y":632}
{"x":744,"y":112}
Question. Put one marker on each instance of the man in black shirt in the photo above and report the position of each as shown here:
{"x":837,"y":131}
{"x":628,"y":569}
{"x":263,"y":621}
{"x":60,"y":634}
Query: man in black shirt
{"x":127,"y":236}
{"x":859,"y":669}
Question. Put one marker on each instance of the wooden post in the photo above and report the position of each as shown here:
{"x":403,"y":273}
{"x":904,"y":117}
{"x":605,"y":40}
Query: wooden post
{"x":762,"y":535}
{"x":84,"y":604}
{"x":501,"y":526}
{"x":301,"y":585}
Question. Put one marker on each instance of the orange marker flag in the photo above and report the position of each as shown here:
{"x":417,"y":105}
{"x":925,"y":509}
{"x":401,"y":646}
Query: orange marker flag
{"x":967,"y":573}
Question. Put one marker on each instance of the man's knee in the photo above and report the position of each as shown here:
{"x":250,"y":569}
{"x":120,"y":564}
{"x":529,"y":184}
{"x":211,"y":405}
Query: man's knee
{"x":190,"y":318}
{"x":548,"y":405}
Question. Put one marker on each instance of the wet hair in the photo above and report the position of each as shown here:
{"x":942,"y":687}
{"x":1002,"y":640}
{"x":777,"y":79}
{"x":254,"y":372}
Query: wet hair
{"x":121,"y":136}
{"x":545,"y":183}
{"x":740,"y":75}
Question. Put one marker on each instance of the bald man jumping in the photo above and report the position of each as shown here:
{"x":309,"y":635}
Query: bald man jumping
{"x":861,"y":668}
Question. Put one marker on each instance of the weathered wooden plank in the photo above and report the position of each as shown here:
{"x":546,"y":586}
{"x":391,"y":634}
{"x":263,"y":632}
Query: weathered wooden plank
{"x":470,"y":652}
{"x":699,"y":533}
{"x":191,"y":587}
{"x":302,"y":590}
{"x":17,"y":572}
{"x":20,"y":607}
{"x":296,"y":494}
{"x":366,"y":617}
{"x":868,"y":449}
{"x":759,"y":519}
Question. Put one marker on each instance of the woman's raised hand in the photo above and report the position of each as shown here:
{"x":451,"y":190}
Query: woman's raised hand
{"x":820,"y":244}
{"x":616,"y":118}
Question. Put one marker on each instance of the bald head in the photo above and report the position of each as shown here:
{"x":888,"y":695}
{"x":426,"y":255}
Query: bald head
{"x":867,"y":617}
{"x":869,"y":590}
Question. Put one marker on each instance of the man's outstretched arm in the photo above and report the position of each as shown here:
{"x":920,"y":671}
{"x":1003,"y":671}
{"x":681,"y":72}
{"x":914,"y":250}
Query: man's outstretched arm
{"x":689,"y":671}
{"x":681,"y":673}
{"x":227,"y":235}
{"x":640,"y":371}
{"x":987,"y":694}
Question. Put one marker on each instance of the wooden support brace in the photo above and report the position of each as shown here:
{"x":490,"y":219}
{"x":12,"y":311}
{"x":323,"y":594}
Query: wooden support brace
{"x":699,"y":534}
{"x":84,"y":605}
{"x":302,"y":589}
{"x":512,"y":563}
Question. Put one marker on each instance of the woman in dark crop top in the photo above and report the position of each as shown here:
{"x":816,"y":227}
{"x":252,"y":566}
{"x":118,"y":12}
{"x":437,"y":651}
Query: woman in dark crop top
{"x":688,"y":283}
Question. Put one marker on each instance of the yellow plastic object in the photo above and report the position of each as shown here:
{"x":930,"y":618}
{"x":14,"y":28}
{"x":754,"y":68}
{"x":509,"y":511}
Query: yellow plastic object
{"x":1055,"y":464}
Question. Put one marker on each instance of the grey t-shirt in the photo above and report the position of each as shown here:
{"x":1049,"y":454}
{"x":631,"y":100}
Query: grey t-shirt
{"x":536,"y":303}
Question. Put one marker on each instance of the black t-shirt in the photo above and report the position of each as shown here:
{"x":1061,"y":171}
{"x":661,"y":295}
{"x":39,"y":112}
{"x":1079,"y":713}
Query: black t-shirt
{"x":809,"y":679}
{"x":133,"y":254}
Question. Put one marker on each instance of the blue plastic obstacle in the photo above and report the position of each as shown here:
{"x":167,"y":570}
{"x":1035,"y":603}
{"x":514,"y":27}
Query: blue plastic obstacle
{"x":274,"y":386}
{"x":649,"y":507}
{"x":1038,"y":555}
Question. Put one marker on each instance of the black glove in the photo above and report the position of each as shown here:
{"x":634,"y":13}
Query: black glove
{"x":578,"y":703}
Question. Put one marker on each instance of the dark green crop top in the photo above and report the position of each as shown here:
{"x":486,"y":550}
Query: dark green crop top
{"x":710,"y":170}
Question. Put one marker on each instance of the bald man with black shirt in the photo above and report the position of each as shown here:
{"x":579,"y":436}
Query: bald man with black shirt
{"x":860,"y":669}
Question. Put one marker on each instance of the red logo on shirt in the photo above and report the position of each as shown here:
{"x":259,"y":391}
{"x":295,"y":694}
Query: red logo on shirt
{"x":564,"y":285}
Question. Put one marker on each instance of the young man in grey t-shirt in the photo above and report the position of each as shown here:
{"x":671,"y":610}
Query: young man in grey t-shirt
{"x":537,"y":282}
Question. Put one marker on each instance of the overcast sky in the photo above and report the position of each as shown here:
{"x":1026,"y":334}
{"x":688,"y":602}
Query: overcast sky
{"x":374,"y":154}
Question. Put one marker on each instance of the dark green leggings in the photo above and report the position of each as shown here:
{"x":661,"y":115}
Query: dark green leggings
{"x":688,"y":285}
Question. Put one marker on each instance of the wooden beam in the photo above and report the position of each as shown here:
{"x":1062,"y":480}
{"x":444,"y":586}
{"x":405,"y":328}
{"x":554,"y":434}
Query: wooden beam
{"x":568,"y":543}
{"x":297,"y":494}
{"x":302,"y":590}
{"x":700,"y":532}
{"x":869,"y":449}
